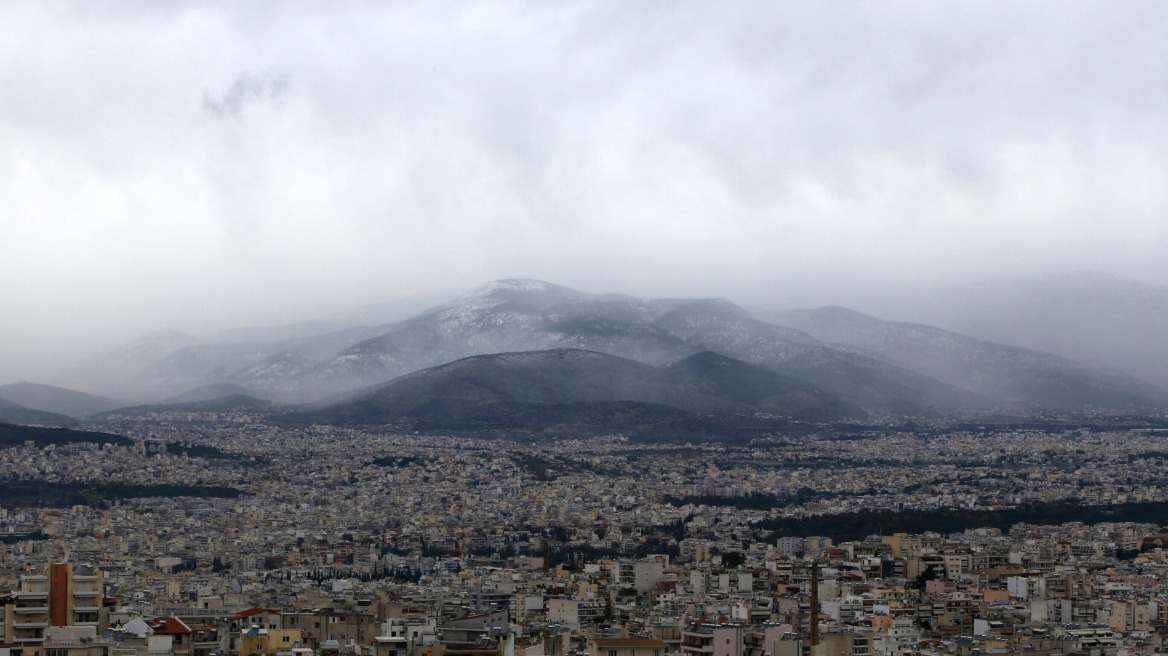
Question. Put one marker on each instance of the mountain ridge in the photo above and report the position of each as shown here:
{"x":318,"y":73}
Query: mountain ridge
{"x":542,"y":389}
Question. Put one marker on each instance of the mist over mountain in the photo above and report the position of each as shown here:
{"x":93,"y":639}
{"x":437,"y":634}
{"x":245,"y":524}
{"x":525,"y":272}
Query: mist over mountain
{"x":1016,"y":375}
{"x":855,"y":359}
{"x":50,"y":398}
{"x":134,"y":357}
{"x":207,"y":393}
{"x":254,"y":334}
{"x":1086,"y":315}
{"x":727,"y":329}
{"x":168,"y":364}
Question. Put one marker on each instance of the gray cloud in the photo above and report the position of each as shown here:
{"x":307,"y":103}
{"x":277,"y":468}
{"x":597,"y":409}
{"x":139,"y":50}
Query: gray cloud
{"x":772,"y":153}
{"x":247,"y":88}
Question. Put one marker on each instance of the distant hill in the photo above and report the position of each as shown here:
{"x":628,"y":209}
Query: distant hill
{"x":221,"y":404}
{"x":49,"y":398}
{"x":758,"y":388}
{"x":14,"y":413}
{"x":11,"y":435}
{"x":583,"y":390}
{"x":1009,"y":374}
{"x":208,"y":393}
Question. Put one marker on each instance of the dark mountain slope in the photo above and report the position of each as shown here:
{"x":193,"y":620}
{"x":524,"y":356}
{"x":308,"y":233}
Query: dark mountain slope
{"x":207,"y":393}
{"x":574,"y":387}
{"x":241,"y":402}
{"x":757,"y":387}
{"x":11,"y":435}
{"x":14,"y":413}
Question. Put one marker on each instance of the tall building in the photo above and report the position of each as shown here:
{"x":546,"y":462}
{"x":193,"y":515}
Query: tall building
{"x":75,"y":595}
{"x":66,"y":595}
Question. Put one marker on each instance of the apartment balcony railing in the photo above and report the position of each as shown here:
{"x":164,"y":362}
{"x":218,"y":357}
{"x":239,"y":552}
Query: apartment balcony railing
{"x":25,"y":623}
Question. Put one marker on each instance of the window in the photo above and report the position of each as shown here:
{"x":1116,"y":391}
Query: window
{"x":287,"y":638}
{"x":611,"y":652}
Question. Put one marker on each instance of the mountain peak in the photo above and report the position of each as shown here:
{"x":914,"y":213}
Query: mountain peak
{"x":523,"y":284}
{"x":519,"y":286}
{"x":514,"y":294}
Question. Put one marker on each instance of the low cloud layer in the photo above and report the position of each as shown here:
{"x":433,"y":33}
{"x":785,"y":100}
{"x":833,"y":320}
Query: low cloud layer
{"x":199,"y":165}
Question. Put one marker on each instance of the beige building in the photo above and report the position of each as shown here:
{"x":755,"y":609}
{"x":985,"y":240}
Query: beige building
{"x":75,"y":641}
{"x":269,"y":642}
{"x":626,"y":647}
{"x":324,"y":624}
{"x":1128,"y":616}
{"x":64,"y":596}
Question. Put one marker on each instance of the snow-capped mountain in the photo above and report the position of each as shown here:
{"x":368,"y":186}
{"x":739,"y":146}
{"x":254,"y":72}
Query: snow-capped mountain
{"x":527,"y":315}
{"x":859,"y":359}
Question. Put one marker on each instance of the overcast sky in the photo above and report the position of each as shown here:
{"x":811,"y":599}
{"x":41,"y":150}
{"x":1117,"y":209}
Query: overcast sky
{"x":198,"y":165}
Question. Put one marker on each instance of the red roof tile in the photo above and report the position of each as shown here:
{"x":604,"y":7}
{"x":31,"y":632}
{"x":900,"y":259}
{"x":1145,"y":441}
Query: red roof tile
{"x":169,"y":626}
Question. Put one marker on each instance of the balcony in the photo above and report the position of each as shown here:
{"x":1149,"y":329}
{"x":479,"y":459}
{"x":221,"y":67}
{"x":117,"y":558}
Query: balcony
{"x":29,"y":624}
{"x":32,"y":594}
{"x":85,"y":593}
{"x":31,"y":609}
{"x":85,"y":609}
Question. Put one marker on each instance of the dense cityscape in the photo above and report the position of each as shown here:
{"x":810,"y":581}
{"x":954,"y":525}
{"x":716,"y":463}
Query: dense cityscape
{"x":926,"y":537}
